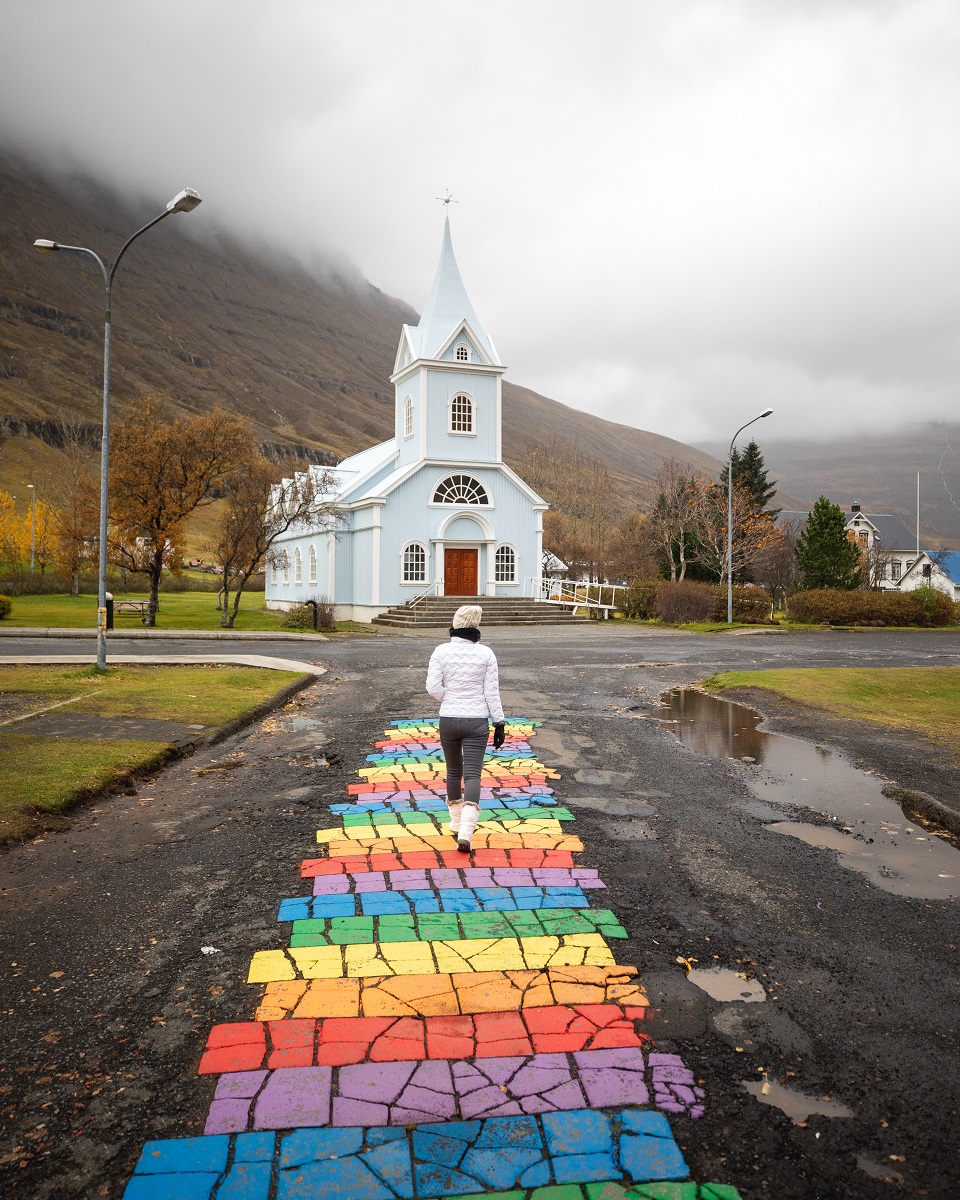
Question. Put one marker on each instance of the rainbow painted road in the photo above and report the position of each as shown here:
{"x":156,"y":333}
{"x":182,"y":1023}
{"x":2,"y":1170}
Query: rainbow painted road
{"x":441,"y":1024}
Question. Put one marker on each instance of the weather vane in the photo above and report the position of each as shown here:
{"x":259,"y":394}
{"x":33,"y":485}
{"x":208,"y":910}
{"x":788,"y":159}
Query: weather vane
{"x":447,"y":199}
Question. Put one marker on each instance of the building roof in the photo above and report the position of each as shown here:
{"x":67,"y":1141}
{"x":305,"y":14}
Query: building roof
{"x":891,"y":533}
{"x":447,"y":307}
{"x":950,"y":565}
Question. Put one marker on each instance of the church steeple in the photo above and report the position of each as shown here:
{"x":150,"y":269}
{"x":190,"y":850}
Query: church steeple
{"x":448,"y":309}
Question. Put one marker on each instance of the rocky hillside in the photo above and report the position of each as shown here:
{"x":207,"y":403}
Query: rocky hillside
{"x":305,"y":354}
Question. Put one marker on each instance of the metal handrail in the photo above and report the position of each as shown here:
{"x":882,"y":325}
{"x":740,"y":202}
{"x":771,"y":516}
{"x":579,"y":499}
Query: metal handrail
{"x":428,"y":591}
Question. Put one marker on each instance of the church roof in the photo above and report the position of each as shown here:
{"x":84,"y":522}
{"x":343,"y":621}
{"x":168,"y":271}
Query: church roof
{"x":447,"y":307}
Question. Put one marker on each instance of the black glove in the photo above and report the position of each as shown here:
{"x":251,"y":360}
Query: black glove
{"x":499,"y":735}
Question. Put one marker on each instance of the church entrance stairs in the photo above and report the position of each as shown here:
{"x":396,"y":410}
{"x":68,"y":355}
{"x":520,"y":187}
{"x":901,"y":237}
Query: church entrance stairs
{"x":437,"y":612}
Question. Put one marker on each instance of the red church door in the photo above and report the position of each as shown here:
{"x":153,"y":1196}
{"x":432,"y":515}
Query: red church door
{"x":460,"y":572}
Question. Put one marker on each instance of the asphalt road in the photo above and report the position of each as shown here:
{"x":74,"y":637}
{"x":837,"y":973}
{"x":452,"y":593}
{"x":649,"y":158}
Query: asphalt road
{"x":107,"y":998}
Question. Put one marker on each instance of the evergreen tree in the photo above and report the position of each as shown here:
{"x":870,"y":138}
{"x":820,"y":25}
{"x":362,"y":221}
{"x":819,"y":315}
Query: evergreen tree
{"x":826,"y":556}
{"x":750,"y":473}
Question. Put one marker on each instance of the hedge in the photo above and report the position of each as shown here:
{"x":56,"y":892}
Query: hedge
{"x":924,"y":606}
{"x":687,"y":601}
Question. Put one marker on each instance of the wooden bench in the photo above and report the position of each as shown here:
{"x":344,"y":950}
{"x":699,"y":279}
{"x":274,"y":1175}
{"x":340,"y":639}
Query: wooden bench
{"x":139,"y":607}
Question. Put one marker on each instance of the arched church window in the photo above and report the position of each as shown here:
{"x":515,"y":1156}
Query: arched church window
{"x":463,"y":353}
{"x":505,"y":565}
{"x":460,"y":489}
{"x":274,"y":573}
{"x":408,"y":417}
{"x":461,"y":413}
{"x":297,"y":566}
{"x":415,"y":563}
{"x":312,"y":561}
{"x":285,"y":566}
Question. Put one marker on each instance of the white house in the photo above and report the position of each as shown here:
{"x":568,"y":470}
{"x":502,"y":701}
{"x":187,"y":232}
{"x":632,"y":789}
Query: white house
{"x":943,"y":573}
{"x":435,"y":508}
{"x":891,"y":555}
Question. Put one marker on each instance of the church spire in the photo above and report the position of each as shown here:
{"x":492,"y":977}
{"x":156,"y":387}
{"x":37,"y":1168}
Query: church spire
{"x":447,"y":308}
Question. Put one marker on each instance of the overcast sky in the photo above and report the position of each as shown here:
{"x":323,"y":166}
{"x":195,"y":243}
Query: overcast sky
{"x":671,"y":214}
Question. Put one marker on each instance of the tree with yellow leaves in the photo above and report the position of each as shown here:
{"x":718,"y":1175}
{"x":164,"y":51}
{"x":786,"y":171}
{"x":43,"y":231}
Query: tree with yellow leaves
{"x":162,"y":469}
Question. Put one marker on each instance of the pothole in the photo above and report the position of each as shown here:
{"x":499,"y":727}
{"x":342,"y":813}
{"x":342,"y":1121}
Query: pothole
{"x":288,"y":723}
{"x":720,"y":983}
{"x":867,"y":829}
{"x":797,"y":1105}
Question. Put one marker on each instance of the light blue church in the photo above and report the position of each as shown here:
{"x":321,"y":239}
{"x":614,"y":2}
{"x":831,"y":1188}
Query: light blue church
{"x":435,"y":508}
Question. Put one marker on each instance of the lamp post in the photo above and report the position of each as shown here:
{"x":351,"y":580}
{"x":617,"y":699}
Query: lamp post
{"x":730,"y":513}
{"x":33,"y":525}
{"x":184,"y":201}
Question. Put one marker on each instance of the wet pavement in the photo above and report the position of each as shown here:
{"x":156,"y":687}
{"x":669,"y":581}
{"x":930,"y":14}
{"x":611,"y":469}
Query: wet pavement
{"x":796,"y":778}
{"x":112,"y":994}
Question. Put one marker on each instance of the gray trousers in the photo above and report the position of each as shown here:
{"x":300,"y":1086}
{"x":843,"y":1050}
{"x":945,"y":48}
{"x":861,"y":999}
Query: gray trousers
{"x":464,"y":741}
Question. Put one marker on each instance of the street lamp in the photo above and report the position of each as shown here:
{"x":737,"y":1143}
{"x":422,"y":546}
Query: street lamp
{"x":730,"y":513}
{"x":33,"y":525}
{"x":185,"y":201}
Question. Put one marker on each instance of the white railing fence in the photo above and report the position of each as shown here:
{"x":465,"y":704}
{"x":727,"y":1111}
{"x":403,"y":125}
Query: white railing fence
{"x":574,"y":593}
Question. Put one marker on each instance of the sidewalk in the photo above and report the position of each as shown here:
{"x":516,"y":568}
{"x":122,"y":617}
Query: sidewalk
{"x":240,"y":660}
{"x":266,"y":635}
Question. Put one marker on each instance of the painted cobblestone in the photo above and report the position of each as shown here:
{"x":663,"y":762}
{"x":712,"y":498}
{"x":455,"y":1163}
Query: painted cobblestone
{"x":336,"y":900}
{"x":425,"y":958}
{"x":429,"y":1160}
{"x":449,"y":995}
{"x":460,"y":919}
{"x":440,"y":1026}
{"x":449,"y":878}
{"x":336,"y":1041}
{"x":427,"y":860}
{"x":402,"y":1092}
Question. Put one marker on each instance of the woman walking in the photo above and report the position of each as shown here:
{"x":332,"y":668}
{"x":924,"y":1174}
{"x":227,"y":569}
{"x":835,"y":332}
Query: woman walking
{"x":463,"y":676}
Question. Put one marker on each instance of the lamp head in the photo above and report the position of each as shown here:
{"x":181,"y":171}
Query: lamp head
{"x":185,"y":201}
{"x":44,"y":245}
{"x":767,"y":413}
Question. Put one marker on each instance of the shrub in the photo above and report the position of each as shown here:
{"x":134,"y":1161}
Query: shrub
{"x":830,"y":606}
{"x":750,"y":604}
{"x":638,"y":601}
{"x":5,"y":606}
{"x":680,"y":603}
{"x":302,"y":616}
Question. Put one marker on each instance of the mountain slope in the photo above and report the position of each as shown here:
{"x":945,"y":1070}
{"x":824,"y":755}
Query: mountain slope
{"x":305,"y":354}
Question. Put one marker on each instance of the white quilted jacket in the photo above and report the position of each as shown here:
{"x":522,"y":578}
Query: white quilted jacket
{"x":463,"y":676}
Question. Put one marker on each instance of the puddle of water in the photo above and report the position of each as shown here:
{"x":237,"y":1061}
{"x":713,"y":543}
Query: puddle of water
{"x":878,"y":1170}
{"x":720,"y":983}
{"x":871,"y":833}
{"x":289,"y":724}
{"x":796,"y":1105}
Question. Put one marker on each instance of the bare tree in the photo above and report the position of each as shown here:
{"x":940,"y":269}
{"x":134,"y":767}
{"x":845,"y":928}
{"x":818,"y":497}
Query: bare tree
{"x":673,"y":516}
{"x":76,"y":489}
{"x":259,"y":509}
{"x":777,"y":568}
{"x":582,"y":516}
{"x":755,"y":531}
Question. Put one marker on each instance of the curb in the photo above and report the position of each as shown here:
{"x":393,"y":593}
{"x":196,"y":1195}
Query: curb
{"x":924,"y":805}
{"x":174,"y":753}
{"x":160,"y":635}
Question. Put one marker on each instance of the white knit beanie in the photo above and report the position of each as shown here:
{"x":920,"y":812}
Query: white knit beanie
{"x":467,"y":616}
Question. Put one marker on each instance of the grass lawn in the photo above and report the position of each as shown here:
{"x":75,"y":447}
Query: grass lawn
{"x":924,"y":699}
{"x":178,"y":610}
{"x":50,"y":773}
